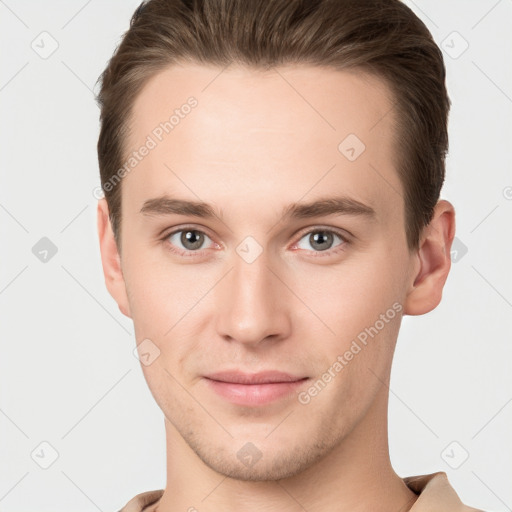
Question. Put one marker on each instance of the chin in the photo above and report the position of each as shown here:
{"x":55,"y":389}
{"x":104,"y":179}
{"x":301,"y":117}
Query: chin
{"x":270,"y":463}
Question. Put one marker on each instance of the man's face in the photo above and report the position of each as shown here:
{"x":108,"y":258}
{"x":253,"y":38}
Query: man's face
{"x":250,"y":289}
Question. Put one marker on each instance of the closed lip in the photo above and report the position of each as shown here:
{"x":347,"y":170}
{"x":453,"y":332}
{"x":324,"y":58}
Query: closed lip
{"x":265,"y":377}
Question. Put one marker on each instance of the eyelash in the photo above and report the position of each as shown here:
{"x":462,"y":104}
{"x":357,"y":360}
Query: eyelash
{"x":190,"y":254}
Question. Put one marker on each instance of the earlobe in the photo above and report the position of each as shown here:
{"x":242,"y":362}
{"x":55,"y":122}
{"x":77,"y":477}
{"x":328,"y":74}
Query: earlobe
{"x":111,"y":260}
{"x":433,"y":261}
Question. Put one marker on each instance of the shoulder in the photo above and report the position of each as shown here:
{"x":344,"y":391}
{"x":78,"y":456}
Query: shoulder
{"x":139,"y":502}
{"x":436,"y":494}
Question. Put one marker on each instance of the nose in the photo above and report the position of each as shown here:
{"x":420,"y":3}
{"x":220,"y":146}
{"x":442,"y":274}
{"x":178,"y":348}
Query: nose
{"x":251,"y":303}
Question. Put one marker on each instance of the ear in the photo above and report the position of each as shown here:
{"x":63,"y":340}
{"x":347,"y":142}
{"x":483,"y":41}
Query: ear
{"x":433,"y":261}
{"x":111,"y":260}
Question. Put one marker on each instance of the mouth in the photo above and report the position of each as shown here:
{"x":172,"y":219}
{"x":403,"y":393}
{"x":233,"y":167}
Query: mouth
{"x":254,"y":389}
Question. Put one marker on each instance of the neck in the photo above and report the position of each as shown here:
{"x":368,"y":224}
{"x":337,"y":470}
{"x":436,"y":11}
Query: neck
{"x":356,"y":476}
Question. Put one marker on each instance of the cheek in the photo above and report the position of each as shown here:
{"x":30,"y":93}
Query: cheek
{"x":167,"y":306}
{"x":351,"y":297}
{"x":159,"y":293}
{"x":360,"y":302}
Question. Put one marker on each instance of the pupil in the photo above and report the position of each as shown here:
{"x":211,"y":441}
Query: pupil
{"x":192,"y":238}
{"x":319,"y":238}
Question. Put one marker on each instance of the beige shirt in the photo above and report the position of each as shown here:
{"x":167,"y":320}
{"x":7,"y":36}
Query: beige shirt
{"x":435,"y":495}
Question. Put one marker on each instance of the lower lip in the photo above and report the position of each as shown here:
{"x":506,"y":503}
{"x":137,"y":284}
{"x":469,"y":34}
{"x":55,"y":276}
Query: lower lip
{"x":253,"y":394}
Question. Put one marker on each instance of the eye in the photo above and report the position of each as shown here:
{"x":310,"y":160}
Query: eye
{"x":186,"y":240}
{"x":189,"y":241}
{"x":321,"y":240}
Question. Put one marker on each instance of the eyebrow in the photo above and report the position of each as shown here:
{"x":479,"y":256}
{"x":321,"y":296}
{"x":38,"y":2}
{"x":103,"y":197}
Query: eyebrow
{"x":340,"y":205}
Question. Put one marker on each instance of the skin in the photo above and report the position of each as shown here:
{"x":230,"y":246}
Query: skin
{"x":253,"y":145}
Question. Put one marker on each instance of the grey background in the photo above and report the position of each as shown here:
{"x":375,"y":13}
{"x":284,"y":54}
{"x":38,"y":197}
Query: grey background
{"x":68,"y":376}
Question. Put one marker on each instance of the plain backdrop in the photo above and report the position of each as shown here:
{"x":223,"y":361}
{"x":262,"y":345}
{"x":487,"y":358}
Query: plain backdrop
{"x":72,"y":394}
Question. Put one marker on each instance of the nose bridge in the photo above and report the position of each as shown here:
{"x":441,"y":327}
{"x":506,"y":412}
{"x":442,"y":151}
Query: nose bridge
{"x":251,"y":308}
{"x":251,"y":281}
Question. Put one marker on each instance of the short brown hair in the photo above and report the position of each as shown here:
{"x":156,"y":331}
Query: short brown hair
{"x":383,"y":37}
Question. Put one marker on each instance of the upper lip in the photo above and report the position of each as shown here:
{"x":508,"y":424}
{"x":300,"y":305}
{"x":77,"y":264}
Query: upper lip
{"x":239,"y":377}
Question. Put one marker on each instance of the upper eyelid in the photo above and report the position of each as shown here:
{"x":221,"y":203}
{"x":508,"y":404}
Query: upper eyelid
{"x":185,"y":228}
{"x":340,"y":233}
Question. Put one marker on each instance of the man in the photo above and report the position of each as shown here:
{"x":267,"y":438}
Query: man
{"x":272,"y":172}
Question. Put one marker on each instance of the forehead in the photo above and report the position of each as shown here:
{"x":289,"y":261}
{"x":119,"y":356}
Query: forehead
{"x":297,"y":129}
{"x":325,"y":99}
